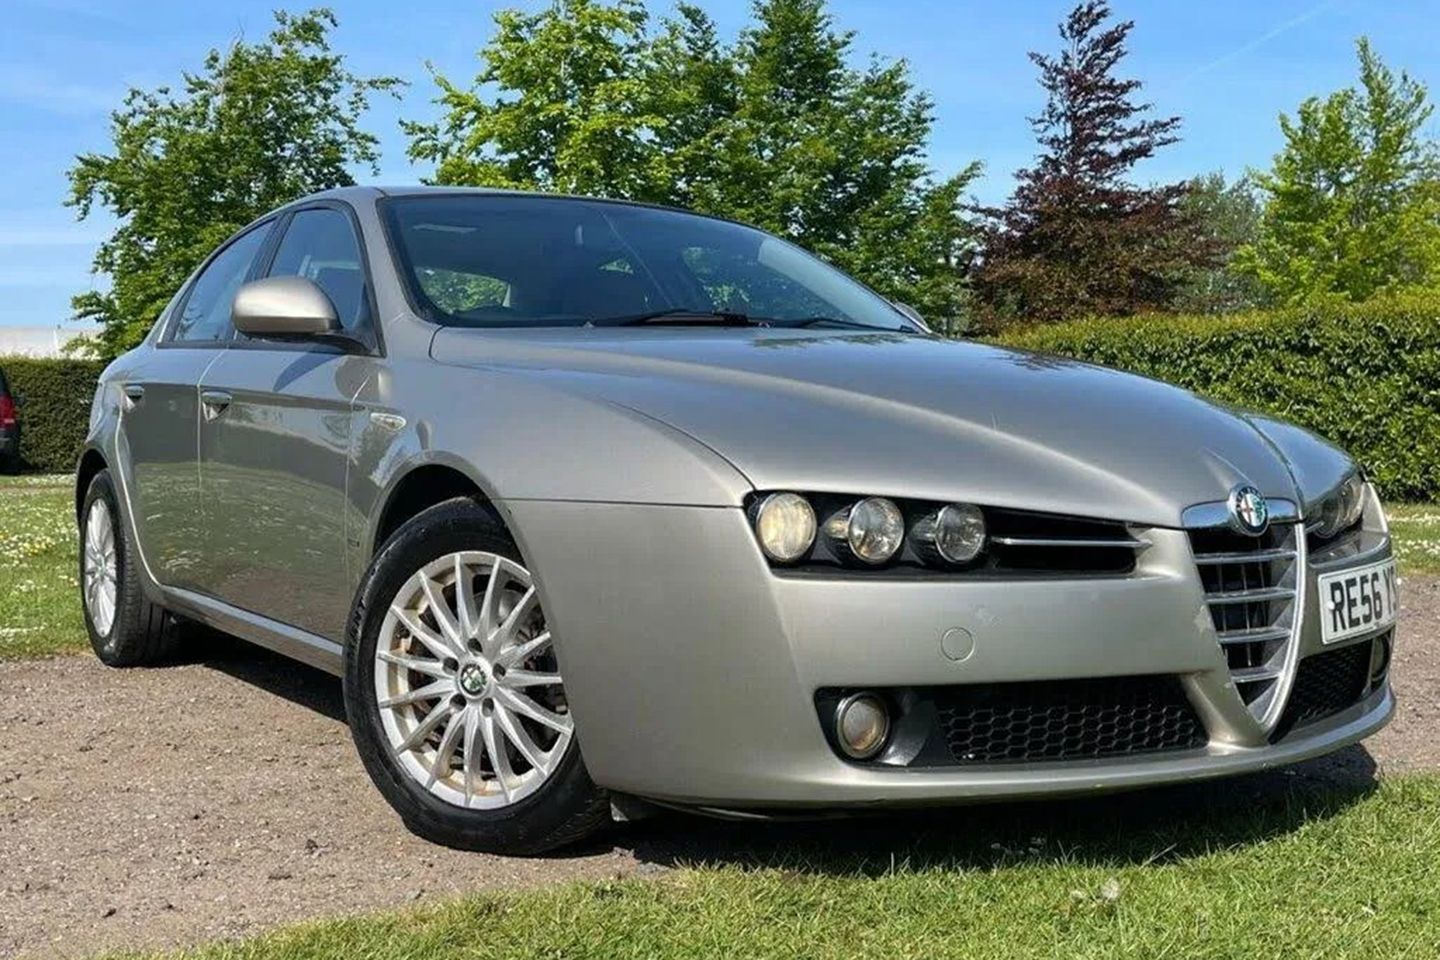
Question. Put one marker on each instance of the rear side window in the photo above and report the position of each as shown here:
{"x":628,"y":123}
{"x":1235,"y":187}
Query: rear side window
{"x":206,"y":313}
{"x":320,"y":245}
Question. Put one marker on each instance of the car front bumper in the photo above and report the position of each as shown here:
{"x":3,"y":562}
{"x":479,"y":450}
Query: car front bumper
{"x":692,"y":667}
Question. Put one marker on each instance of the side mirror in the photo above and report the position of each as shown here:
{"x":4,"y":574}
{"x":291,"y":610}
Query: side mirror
{"x":284,"y":307}
{"x":913,"y":314}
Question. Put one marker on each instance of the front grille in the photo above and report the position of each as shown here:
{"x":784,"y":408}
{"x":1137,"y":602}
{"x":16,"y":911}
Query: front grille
{"x":1066,"y":720}
{"x":1022,"y":541}
{"x":1252,"y":590}
{"x":1327,"y":683}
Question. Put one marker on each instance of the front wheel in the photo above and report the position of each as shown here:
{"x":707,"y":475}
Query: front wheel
{"x":454,"y":695}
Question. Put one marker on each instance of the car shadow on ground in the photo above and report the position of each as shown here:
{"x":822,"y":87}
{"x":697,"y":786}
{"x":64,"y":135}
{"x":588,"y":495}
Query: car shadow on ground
{"x":288,"y":679}
{"x":1155,"y":825}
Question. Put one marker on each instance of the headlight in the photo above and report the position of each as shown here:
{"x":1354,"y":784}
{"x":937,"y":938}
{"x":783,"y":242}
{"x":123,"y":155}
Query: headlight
{"x":785,"y":524}
{"x":955,"y":533}
{"x":872,"y":530}
{"x":1342,"y":509}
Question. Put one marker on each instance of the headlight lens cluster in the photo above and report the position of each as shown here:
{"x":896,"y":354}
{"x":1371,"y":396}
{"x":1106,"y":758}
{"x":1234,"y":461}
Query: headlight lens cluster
{"x":868,"y":531}
{"x":871,"y":531}
{"x":1341,"y":509}
{"x":785,"y":524}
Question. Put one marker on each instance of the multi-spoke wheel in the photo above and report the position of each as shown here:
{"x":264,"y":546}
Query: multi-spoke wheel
{"x":125,"y":628}
{"x":466,"y":680}
{"x":98,"y":566}
{"x":455,"y":693}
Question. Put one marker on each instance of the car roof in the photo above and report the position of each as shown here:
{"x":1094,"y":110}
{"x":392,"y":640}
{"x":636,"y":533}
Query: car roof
{"x":372,"y":192}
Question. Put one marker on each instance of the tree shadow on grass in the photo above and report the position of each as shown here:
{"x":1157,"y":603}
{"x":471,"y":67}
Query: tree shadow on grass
{"x":1154,"y":825}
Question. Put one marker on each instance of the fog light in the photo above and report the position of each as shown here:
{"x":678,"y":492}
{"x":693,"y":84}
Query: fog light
{"x":872,"y":530}
{"x":862,"y":724}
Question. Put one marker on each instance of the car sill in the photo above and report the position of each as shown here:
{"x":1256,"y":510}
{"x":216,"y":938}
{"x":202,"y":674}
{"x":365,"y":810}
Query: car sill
{"x":286,"y":640}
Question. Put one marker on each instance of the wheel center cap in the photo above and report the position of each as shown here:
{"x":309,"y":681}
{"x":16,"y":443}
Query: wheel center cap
{"x":473,"y":679}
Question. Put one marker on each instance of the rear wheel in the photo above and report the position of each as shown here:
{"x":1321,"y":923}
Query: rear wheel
{"x":126,"y":629}
{"x":454,"y":693}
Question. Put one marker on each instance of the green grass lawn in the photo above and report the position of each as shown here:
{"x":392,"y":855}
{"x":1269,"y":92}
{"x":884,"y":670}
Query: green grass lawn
{"x":1306,"y":875}
{"x":39,"y":589}
{"x":1416,"y":529}
{"x":40,"y":600}
{"x":1316,"y":872}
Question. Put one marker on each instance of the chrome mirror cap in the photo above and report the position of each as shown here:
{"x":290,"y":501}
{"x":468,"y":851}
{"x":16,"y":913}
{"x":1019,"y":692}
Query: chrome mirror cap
{"x":283,"y":307}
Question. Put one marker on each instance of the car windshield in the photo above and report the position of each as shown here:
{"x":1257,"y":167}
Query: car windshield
{"x":495,"y":260}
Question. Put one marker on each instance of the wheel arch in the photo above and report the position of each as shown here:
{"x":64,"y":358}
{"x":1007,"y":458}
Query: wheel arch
{"x":91,"y":462}
{"x":421,"y":485}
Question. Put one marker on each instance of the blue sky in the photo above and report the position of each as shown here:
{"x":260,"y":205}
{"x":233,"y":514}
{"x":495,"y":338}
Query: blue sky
{"x":1228,"y":67}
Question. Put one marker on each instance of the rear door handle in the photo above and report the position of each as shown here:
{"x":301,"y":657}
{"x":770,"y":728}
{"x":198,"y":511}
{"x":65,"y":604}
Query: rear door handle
{"x":134,"y":393}
{"x":215,"y":402}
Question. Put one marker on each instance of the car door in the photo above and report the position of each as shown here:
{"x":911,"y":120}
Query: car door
{"x":275,"y":434}
{"x":159,"y":404}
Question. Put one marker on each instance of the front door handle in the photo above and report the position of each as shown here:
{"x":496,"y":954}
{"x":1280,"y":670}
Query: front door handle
{"x":134,"y":393}
{"x":215,"y":402}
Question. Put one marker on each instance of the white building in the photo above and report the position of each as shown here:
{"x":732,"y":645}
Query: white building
{"x":40,"y":341}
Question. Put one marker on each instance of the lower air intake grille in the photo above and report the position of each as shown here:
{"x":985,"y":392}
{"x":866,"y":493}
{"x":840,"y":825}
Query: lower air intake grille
{"x":1327,"y":683}
{"x":1066,"y":720}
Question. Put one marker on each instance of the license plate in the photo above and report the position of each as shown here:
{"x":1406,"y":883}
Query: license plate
{"x":1357,"y":601}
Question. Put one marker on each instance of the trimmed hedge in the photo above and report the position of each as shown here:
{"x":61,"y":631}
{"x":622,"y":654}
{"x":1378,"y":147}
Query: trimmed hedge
{"x":56,"y":413}
{"x":1364,"y":376}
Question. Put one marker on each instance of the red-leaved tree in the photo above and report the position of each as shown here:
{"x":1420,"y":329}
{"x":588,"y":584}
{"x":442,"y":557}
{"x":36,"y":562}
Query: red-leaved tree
{"x":1078,"y":237}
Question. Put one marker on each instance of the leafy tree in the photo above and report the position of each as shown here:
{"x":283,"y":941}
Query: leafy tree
{"x":776,"y":129}
{"x":1352,"y":204}
{"x":573,"y":112}
{"x":1226,"y":217}
{"x":259,"y":125}
{"x":1077,"y":237}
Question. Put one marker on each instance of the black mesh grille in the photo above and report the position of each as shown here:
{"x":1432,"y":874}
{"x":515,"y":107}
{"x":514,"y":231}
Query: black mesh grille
{"x":1066,"y":719}
{"x":1326,"y":683}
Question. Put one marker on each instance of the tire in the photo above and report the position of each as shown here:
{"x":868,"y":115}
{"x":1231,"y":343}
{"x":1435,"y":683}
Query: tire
{"x":135,"y":632}
{"x":561,"y":804}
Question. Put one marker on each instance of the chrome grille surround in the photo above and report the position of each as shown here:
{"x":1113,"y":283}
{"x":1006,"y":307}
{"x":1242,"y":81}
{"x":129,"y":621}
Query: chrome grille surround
{"x":1255,"y":590}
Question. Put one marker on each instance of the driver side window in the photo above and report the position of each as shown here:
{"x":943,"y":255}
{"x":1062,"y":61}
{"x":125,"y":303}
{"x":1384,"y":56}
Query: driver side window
{"x":205,"y":315}
{"x":320,"y":245}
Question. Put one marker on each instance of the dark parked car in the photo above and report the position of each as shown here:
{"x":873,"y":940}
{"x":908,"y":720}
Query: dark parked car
{"x":9,"y":428}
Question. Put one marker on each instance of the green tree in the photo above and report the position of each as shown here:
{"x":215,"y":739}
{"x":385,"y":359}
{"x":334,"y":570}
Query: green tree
{"x":259,"y":125}
{"x":776,"y":129}
{"x":1077,"y":236}
{"x":1352,"y":204}
{"x":572,"y":110}
{"x":1225,"y":217}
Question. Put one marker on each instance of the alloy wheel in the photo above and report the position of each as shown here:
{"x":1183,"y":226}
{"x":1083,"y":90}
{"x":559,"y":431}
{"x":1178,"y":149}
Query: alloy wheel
{"x":100,"y":569}
{"x":467,"y":683}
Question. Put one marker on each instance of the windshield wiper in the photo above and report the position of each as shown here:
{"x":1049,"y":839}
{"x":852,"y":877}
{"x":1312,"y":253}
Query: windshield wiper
{"x":682,"y":315}
{"x":838,"y":322}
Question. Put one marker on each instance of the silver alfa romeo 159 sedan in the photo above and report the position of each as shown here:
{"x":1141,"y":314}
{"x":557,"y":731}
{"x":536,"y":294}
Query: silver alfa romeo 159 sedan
{"x":597,"y":506}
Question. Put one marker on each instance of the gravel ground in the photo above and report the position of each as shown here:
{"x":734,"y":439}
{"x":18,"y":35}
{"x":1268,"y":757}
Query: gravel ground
{"x":164,"y":807}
